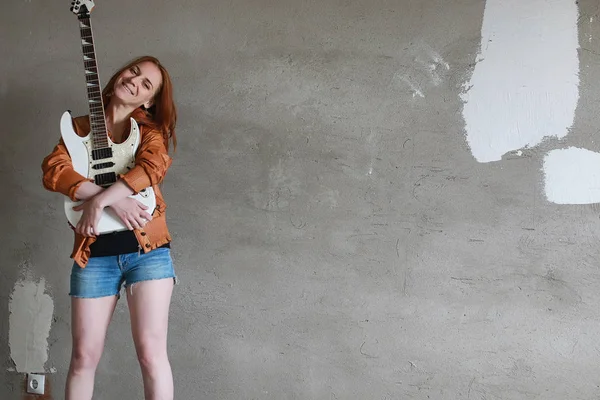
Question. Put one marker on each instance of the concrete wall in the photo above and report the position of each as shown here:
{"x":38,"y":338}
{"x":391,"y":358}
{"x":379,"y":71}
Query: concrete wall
{"x":335,"y":236}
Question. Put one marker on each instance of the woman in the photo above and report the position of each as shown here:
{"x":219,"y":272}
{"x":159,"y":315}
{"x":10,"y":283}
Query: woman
{"x":139,"y":257}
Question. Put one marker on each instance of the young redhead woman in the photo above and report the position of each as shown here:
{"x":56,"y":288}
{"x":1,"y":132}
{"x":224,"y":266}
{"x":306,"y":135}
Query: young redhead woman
{"x":138,"y":258}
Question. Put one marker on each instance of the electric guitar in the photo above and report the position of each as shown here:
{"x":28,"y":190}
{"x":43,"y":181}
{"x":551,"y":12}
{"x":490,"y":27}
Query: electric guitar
{"x":95,"y":156}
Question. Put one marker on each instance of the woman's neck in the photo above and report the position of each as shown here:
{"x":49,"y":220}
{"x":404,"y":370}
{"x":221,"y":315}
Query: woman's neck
{"x":117,"y":117}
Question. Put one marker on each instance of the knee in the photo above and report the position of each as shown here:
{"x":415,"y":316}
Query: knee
{"x":85,"y":358}
{"x":152,"y":354}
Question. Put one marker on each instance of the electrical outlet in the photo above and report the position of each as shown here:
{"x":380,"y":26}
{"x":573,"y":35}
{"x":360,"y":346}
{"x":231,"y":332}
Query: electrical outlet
{"x":35,"y":383}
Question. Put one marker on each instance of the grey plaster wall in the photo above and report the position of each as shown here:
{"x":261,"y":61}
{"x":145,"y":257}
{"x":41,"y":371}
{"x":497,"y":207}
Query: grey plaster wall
{"x":333,"y":235}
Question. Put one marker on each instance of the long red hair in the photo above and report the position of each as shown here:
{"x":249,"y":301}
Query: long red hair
{"x":162,"y":115}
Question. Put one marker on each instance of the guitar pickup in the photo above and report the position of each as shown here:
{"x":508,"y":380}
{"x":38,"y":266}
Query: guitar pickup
{"x":106,"y":179}
{"x":101,"y":154}
{"x":103,"y":165}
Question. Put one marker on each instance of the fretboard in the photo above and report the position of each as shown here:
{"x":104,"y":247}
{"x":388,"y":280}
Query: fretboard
{"x":94,"y":90}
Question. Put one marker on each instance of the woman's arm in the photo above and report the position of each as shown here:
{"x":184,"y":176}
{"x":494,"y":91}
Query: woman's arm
{"x":107,"y":197}
{"x":87,"y":190}
{"x":59,"y":175}
{"x":151,"y":163}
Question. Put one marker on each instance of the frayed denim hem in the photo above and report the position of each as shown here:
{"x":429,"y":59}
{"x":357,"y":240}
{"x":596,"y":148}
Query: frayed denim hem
{"x":75,"y":296}
{"x":129,"y":285}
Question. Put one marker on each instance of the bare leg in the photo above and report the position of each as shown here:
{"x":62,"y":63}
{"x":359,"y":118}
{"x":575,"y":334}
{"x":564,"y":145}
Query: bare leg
{"x":89,"y":323}
{"x":149,"y":303}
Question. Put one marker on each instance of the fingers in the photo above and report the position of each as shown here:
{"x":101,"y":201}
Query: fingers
{"x":142,"y":219}
{"x":146,"y":216}
{"x":87,"y":231}
{"x":141,"y":205}
{"x":80,"y":228}
{"x":128,"y":224}
{"x":138,"y":222}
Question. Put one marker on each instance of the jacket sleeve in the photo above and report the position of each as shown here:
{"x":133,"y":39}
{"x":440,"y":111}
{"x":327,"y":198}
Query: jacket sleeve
{"x":58,"y":173}
{"x":151,"y":162}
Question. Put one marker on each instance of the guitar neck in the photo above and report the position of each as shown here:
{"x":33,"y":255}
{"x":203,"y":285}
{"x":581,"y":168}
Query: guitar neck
{"x":94,"y":90}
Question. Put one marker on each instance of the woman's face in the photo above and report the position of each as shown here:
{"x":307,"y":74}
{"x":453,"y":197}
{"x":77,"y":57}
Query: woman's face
{"x":137,"y":85}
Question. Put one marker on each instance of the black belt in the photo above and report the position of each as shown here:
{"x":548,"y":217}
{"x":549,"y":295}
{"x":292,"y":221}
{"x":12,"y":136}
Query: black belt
{"x":116,"y":243}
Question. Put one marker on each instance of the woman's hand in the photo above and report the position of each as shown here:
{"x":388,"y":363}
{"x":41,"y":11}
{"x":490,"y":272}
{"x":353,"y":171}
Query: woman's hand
{"x":131,"y":212}
{"x":88,"y":223}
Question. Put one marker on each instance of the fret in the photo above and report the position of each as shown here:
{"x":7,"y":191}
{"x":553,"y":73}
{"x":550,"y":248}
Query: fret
{"x":93,"y":86}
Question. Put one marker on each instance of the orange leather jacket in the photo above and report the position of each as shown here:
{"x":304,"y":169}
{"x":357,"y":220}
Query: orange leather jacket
{"x":151,"y":164}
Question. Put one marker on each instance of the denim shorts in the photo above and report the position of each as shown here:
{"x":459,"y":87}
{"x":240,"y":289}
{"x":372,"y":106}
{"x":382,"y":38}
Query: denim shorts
{"x":104,"y":276}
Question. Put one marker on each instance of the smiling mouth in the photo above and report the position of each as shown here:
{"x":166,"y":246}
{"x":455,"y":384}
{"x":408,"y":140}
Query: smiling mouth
{"x":127,"y":88}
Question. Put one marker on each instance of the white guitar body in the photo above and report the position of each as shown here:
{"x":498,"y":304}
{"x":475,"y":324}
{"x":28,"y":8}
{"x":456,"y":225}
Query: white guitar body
{"x":122,"y":160}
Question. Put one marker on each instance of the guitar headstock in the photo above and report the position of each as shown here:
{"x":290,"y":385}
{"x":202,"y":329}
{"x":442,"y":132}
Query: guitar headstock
{"x":82,"y":8}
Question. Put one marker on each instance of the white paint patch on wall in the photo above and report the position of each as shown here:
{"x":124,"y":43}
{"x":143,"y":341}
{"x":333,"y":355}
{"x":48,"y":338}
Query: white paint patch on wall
{"x":414,"y":87}
{"x":30,"y":319}
{"x":525,"y":85}
{"x":572,"y":176}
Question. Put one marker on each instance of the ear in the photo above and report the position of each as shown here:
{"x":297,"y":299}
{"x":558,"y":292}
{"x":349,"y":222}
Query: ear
{"x":148,"y":104}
